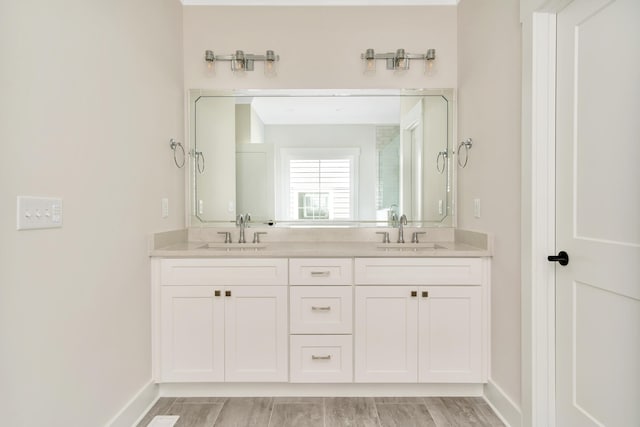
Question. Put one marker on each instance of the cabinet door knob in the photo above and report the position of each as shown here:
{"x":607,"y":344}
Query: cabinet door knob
{"x":216,"y":293}
{"x":425,"y":294}
{"x":414,"y":293}
{"x":227,"y":293}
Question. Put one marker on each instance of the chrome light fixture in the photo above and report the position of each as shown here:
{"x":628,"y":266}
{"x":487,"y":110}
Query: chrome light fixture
{"x":241,"y":62}
{"x":398,"y":60}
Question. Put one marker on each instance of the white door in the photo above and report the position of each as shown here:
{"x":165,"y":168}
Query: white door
{"x":598,"y":214}
{"x":450,"y":334}
{"x":256,"y":333}
{"x":192,"y":340}
{"x":386,"y":334}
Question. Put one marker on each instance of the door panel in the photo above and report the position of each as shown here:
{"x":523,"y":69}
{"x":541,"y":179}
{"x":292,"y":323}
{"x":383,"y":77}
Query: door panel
{"x":598,"y":211}
{"x":192,"y":341}
{"x":386,"y":334}
{"x":450,"y":334}
{"x":256,"y":333}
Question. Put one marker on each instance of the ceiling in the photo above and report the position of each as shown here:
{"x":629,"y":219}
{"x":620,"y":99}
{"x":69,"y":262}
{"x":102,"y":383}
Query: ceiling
{"x":320,"y":2}
{"x":327,"y":110}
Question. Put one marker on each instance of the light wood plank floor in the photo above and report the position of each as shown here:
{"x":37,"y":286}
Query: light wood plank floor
{"x":325,"y":412}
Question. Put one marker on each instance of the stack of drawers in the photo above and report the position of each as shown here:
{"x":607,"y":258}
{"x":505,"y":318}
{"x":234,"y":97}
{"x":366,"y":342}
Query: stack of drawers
{"x":321,"y":320}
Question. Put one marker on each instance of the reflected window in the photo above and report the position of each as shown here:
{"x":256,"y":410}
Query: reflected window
{"x":320,"y":187}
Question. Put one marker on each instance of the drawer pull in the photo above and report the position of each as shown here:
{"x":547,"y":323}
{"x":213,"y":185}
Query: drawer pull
{"x":216,"y":293}
{"x":320,"y":273}
{"x":314,"y":308}
{"x":227,"y":293}
{"x":327,"y":357}
{"x":425,"y":294}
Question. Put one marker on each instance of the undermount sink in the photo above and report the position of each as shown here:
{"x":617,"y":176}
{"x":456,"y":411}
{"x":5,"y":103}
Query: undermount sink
{"x":409,"y":247}
{"x":235,"y":247}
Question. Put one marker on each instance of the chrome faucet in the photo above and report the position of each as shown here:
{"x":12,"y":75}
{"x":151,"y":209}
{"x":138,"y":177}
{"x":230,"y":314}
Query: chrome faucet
{"x":401,"y":223}
{"x":242,"y":221}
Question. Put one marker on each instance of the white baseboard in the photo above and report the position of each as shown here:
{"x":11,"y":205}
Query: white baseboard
{"x":135,"y":409}
{"x":288,"y":389}
{"x":502,"y":405}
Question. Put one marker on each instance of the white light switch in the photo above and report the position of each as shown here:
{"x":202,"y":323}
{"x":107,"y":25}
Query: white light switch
{"x":476,"y":208}
{"x":165,"y":207}
{"x":38,"y":212}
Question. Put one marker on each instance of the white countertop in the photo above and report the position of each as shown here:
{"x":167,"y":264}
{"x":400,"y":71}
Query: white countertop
{"x":317,"y":250}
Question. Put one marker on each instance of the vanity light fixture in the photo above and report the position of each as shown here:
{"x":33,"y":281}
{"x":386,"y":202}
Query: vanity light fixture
{"x":398,"y":60}
{"x":241,"y":62}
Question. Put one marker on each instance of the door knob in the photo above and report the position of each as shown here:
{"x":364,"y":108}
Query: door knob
{"x":562,"y":258}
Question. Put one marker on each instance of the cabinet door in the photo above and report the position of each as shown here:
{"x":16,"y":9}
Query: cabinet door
{"x":256,"y":333}
{"x":450,"y":334}
{"x":192,"y":334}
{"x":386,"y":334}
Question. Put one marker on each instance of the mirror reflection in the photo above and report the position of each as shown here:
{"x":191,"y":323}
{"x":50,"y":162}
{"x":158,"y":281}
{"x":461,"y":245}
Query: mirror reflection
{"x":316,"y":158}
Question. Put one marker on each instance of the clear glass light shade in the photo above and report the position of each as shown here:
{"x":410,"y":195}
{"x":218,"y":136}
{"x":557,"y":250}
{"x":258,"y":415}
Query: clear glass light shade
{"x":430,"y":62}
{"x":369,"y":62}
{"x":369,"y":66}
{"x":430,"y":67}
{"x":210,"y":62}
{"x":270,"y":68}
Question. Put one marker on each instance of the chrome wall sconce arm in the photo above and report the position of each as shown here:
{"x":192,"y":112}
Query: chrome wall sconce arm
{"x":241,"y":62}
{"x":398,"y":60}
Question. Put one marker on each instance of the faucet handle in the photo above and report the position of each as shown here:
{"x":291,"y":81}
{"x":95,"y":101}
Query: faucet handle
{"x":227,"y":236}
{"x":385,"y":236}
{"x":256,"y":236}
{"x":414,"y":238}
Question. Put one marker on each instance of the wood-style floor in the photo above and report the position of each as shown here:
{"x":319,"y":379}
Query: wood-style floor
{"x":325,"y":412}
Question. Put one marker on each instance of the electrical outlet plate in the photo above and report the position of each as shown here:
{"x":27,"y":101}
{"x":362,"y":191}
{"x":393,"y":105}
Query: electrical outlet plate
{"x":38,"y":212}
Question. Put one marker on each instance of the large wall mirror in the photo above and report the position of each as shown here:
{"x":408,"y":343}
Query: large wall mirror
{"x":321,"y":157}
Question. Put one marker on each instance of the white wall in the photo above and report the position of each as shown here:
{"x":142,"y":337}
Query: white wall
{"x":91,"y":94}
{"x":489,"y":83}
{"x":319,"y":47}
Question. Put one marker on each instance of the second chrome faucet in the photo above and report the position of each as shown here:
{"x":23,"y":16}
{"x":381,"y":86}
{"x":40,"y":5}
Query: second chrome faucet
{"x":242,"y":221}
{"x":401,"y":223}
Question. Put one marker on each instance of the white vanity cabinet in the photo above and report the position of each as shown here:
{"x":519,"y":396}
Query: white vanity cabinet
{"x":221,"y":320}
{"x":321,"y":320}
{"x":421,"y":320}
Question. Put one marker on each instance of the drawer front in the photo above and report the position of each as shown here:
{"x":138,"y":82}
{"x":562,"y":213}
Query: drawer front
{"x":221,"y":272}
{"x":321,"y":309}
{"x":321,"y":359}
{"x":320,"y":271}
{"x":418,"y":271}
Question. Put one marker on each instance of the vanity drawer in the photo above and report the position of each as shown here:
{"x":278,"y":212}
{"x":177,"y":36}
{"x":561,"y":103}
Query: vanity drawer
{"x":321,"y":309}
{"x":320,"y":271}
{"x":321,"y":359}
{"x":418,"y":271}
{"x":221,"y":272}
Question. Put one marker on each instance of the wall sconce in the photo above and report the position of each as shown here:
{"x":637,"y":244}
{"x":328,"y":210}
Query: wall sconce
{"x":398,"y":60}
{"x":241,"y":62}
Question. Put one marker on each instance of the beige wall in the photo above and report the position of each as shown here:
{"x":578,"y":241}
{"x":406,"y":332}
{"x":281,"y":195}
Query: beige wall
{"x":319,"y":47}
{"x":91,"y":94}
{"x":489,"y":112}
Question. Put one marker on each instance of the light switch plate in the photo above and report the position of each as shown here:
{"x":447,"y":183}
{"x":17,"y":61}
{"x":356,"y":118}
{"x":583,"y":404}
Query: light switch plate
{"x":476,"y":208}
{"x":38,"y":212}
{"x":165,"y":207}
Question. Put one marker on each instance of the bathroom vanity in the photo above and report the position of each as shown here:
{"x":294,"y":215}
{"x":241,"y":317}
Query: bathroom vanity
{"x":337,"y":312}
